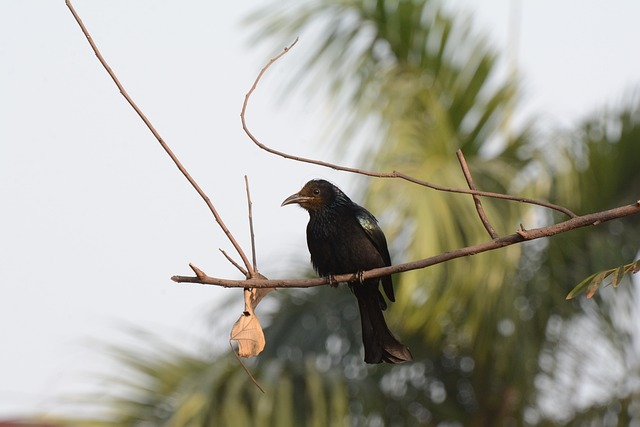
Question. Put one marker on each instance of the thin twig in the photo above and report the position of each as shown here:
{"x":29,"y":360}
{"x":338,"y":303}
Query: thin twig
{"x":235,"y":264}
{"x":246,"y":370}
{"x":518,"y":237}
{"x":155,"y":133}
{"x":476,"y":199}
{"x":199,"y":273}
{"x":394,"y":174}
{"x":253,"y":239}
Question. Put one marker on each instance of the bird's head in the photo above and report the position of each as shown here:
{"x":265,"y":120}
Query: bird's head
{"x":315,"y":195}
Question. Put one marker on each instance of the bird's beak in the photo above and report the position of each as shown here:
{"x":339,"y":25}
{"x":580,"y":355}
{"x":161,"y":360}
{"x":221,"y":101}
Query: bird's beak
{"x":295,"y":198}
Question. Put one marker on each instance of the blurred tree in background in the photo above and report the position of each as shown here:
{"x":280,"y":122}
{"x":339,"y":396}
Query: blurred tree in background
{"x":494,"y":341}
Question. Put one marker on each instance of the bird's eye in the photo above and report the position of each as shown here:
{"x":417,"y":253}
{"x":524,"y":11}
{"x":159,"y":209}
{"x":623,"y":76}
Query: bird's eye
{"x":316,"y":191}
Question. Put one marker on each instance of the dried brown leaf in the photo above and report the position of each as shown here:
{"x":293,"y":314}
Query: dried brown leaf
{"x":247,"y":331}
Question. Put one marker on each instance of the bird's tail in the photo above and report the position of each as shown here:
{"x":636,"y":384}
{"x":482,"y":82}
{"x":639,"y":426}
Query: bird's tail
{"x":379,"y":343}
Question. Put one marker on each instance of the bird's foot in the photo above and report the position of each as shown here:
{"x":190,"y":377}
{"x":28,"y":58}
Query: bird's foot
{"x":332,"y":281}
{"x":360,"y":275}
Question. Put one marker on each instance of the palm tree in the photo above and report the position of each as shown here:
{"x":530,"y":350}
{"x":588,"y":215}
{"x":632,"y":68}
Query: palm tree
{"x":492,"y":335}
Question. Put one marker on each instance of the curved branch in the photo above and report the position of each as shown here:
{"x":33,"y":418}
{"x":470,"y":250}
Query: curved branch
{"x":393,"y":174}
{"x":518,"y":237}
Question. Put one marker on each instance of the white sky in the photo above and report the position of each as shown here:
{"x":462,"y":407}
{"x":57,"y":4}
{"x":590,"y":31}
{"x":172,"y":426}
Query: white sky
{"x":95,"y":218}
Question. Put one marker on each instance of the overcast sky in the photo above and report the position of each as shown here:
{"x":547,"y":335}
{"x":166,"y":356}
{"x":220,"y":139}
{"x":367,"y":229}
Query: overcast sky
{"x":95,"y":218}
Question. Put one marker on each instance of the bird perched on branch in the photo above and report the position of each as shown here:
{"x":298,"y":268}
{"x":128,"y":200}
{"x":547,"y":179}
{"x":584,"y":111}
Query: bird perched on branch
{"x":344,"y":237}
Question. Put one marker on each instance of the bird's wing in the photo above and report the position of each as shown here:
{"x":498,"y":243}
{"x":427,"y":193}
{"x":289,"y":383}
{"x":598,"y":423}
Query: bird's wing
{"x":369,"y":224}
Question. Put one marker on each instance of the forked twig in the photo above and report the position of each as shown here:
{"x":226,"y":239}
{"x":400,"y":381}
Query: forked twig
{"x":199,"y":273}
{"x":394,"y":174}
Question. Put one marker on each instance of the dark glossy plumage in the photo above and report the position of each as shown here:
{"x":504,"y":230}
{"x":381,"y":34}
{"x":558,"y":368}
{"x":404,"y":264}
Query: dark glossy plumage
{"x":344,"y":237}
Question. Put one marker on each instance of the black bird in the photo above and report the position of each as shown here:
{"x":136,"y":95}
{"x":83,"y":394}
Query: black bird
{"x":344,"y":237}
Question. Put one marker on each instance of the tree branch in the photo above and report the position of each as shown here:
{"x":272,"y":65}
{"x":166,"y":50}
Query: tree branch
{"x":250,"y":213}
{"x":164,"y":145}
{"x":476,"y":199}
{"x":394,"y":174}
{"x":244,"y":272}
{"x":519,"y":237}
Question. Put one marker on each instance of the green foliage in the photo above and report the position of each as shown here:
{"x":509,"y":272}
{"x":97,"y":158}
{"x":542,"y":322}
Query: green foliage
{"x":483,"y":325}
{"x":161,"y":386}
{"x":591,"y":284}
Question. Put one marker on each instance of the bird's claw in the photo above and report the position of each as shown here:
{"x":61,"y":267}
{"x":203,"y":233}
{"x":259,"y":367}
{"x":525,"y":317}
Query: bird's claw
{"x":360,"y":275}
{"x":332,"y":281}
